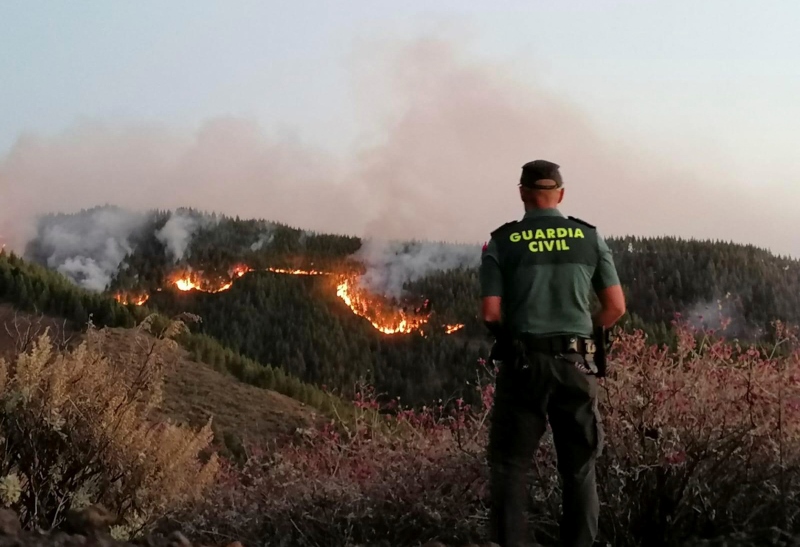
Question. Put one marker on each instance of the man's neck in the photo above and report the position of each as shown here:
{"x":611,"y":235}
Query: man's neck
{"x":529,"y":208}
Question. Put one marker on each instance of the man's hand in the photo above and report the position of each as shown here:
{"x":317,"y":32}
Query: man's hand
{"x":612,"y":300}
{"x":503,"y":348}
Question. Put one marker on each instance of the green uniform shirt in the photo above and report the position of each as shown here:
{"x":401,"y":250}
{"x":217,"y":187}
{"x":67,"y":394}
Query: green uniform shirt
{"x":544,"y":268}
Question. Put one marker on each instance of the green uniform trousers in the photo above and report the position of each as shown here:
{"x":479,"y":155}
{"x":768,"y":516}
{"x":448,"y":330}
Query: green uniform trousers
{"x":545,"y":388}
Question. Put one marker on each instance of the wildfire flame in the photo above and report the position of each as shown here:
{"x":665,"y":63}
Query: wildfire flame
{"x":135,"y":299}
{"x":381,"y":316}
{"x":194,"y":282}
{"x":297,"y":272}
{"x":188,"y":281}
{"x":450,"y":329}
{"x":364,"y":306}
{"x":240,"y":270}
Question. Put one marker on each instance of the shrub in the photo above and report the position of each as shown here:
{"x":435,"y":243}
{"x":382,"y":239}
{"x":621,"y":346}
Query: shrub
{"x":77,"y":428}
{"x":701,"y":440}
{"x":384,"y":474}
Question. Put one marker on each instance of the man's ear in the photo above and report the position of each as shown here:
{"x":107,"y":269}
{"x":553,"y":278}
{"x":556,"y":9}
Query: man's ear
{"x":561,"y":195}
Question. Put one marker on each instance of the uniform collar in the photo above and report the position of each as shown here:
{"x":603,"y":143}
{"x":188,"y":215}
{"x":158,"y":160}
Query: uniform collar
{"x":539,"y":213}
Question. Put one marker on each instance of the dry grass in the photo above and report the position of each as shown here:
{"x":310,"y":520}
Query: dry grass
{"x":78,"y":427}
{"x":192,"y":392}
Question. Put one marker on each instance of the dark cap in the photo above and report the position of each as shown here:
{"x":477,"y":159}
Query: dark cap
{"x":537,"y":170}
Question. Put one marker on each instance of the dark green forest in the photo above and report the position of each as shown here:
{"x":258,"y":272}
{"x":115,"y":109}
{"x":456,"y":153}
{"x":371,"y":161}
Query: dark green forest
{"x":34,"y":289}
{"x":299,"y":322}
{"x":298,"y":325}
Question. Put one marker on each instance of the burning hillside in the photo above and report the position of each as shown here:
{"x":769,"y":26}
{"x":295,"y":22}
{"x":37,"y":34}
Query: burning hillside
{"x":386,"y":320}
{"x":379,"y":312}
{"x":197,"y":281}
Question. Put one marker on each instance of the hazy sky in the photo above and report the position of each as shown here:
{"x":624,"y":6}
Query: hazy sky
{"x":407,"y":119}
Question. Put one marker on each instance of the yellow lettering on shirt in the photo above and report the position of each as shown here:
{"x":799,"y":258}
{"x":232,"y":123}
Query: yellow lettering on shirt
{"x":547,"y":240}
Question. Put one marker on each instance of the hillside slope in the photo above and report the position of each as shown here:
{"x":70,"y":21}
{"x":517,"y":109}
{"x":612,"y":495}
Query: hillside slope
{"x":18,"y":327}
{"x":240,"y":412}
{"x":193,"y":391}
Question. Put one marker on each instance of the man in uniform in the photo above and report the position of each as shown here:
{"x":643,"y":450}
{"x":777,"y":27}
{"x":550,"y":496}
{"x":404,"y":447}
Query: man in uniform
{"x":536,"y":279}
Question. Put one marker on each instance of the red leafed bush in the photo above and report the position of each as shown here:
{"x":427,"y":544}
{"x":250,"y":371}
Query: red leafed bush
{"x":700,"y":440}
{"x":383,"y":474}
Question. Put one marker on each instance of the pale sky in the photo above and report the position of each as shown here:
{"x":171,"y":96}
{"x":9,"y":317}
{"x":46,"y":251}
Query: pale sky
{"x":425,"y":110}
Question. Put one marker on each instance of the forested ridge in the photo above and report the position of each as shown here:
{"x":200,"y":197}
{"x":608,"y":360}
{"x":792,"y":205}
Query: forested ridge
{"x":297,"y":323}
{"x":32,"y":288}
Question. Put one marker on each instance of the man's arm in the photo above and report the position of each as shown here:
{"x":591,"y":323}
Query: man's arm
{"x":612,"y":307}
{"x":491,"y":281}
{"x":491,"y":309}
{"x":608,"y":288}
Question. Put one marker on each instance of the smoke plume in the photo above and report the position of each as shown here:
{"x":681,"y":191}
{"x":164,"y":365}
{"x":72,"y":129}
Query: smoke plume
{"x":722,"y":315}
{"x":441,"y":165}
{"x":178,"y":231}
{"x":390,"y":264}
{"x":89,"y":247}
{"x":263,"y":240}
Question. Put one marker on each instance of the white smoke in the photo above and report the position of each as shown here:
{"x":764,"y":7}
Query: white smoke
{"x":89,"y":247}
{"x":263,"y":240}
{"x":178,"y":231}
{"x":304,"y":235}
{"x":87,"y":272}
{"x":390,"y":264}
{"x":719,"y":315}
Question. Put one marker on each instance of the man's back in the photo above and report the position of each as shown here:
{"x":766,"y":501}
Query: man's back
{"x":544,"y":267}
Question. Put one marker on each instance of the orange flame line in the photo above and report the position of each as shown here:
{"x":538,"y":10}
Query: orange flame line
{"x":360,"y":304}
{"x":297,"y":272}
{"x":359,"y":307}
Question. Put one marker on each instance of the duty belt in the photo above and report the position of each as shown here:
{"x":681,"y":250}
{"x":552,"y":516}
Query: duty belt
{"x":558,"y":344}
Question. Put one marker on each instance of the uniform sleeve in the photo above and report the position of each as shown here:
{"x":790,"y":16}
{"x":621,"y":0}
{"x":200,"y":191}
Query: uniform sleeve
{"x":491,"y":277}
{"x":606,"y":273}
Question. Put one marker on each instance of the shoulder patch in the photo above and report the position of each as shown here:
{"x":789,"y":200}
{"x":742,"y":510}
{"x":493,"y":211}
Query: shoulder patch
{"x":582,"y":222}
{"x":504,"y":226}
